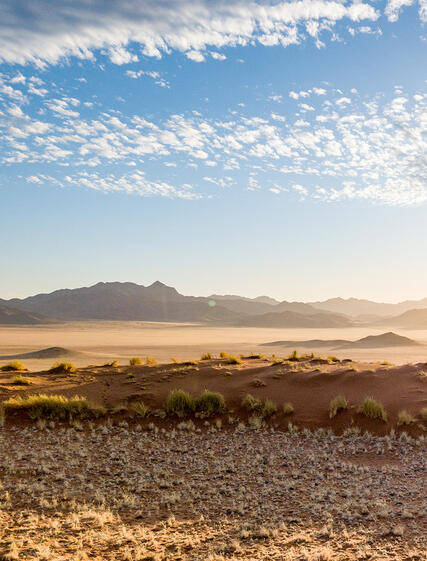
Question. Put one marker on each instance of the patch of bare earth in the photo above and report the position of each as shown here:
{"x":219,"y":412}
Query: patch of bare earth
{"x":128,"y":494}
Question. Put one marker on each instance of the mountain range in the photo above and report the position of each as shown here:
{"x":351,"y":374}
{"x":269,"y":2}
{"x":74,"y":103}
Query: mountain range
{"x":126,"y":301}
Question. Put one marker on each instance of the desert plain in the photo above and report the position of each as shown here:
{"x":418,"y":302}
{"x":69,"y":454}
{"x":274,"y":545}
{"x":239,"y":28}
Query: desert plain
{"x":283,"y":475}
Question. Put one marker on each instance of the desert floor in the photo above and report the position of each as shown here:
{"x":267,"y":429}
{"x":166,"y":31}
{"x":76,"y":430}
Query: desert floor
{"x":127,"y":494}
{"x":101,"y":341}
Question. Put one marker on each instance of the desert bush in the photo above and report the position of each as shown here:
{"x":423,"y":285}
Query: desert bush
{"x":288,"y":408}
{"x":135,"y":361}
{"x":336,"y":404}
{"x":210,"y":403}
{"x":206,"y":356}
{"x":21,"y":381}
{"x":54,"y":406}
{"x":150,"y":361}
{"x":223,"y":354}
{"x":14,"y":366}
{"x":62,"y":368}
{"x":404,"y":417}
{"x":179,"y":403}
{"x":372,"y":409}
{"x":333,"y":358}
{"x":139,"y":408}
{"x":251,"y":403}
{"x":293,"y":355}
{"x":269,"y":408}
{"x":232,"y":359}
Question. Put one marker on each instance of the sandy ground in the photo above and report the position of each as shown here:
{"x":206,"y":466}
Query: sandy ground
{"x":309,"y":384}
{"x":102,"y":341}
{"x":114,"y":493}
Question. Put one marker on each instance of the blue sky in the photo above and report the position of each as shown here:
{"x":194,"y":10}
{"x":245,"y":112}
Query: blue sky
{"x":242,"y":147}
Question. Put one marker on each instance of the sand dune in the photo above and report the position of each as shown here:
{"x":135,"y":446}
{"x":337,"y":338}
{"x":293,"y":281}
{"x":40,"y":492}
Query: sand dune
{"x":49,"y":353}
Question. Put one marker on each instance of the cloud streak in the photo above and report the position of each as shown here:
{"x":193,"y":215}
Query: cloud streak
{"x":33,"y":32}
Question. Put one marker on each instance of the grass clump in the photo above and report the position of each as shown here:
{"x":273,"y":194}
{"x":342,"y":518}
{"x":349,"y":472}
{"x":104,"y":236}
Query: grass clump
{"x":372,"y":409}
{"x":337,"y":404}
{"x":206,"y":356}
{"x":14,"y":366}
{"x":139,"y":408}
{"x":21,"y":381}
{"x":190,"y":362}
{"x":424,"y":413}
{"x":210,"y":403}
{"x":251,"y":403}
{"x":293,"y":356}
{"x":404,"y":417}
{"x":333,"y":358}
{"x":255,"y":405}
{"x":41,"y":406}
{"x":232,"y":359}
{"x":150,"y":361}
{"x":223,"y":354}
{"x":269,"y":408}
{"x":135,"y":361}
{"x":62,"y":368}
{"x":179,"y":403}
{"x":288,"y":408}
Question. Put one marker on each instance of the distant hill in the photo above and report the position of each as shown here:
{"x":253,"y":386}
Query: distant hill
{"x":261,"y":305}
{"x":51,"y":352}
{"x":355,"y":307}
{"x":13,"y":316}
{"x":389,"y":339}
{"x":412,"y":319}
{"x":294,"y":319}
{"x":125,"y":302}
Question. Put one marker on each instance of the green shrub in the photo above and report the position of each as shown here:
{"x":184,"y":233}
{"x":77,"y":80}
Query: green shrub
{"x":180,"y":403}
{"x":206,"y":356}
{"x":372,"y":409}
{"x":21,"y":381}
{"x":336,"y":404}
{"x":288,"y":408}
{"x":135,"y":361}
{"x":62,"y":368}
{"x":405,"y":417}
{"x":210,"y":403}
{"x":54,"y":406}
{"x":139,"y":408}
{"x":14,"y":366}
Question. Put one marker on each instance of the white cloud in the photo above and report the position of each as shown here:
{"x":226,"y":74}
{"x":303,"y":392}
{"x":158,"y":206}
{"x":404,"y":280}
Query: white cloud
{"x":218,"y":56}
{"x":197,"y":56}
{"x":394,"y":7}
{"x":119,"y":55}
{"x":40,"y":34}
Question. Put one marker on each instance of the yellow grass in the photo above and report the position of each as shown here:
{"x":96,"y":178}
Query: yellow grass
{"x":40,"y":406}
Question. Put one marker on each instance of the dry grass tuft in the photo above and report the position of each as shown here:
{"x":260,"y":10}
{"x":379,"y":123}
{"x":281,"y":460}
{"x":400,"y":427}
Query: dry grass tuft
{"x":14,"y":366}
{"x":150,"y":361}
{"x":288,"y":408}
{"x":179,"y":403}
{"x":42,"y":406}
{"x":139,"y":408}
{"x":372,"y":409}
{"x":210,"y":403}
{"x":21,"y":381}
{"x":337,"y":404}
{"x":135,"y":361}
{"x":206,"y":356}
{"x":405,"y":417}
{"x":62,"y":368}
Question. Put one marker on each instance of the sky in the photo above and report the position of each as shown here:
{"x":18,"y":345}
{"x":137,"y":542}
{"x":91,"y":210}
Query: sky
{"x":245,"y":147}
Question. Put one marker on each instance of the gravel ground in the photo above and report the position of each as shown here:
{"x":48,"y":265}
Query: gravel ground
{"x":114,"y":492}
